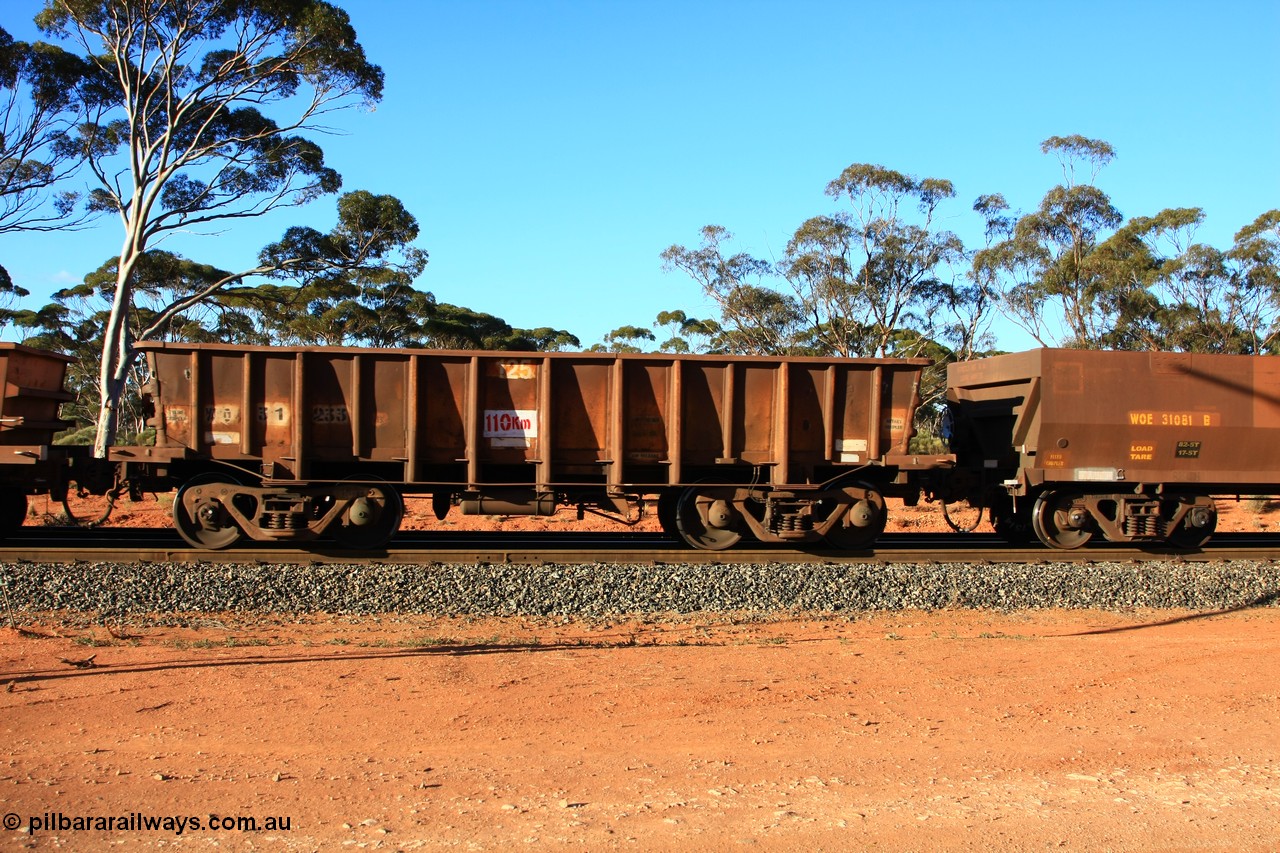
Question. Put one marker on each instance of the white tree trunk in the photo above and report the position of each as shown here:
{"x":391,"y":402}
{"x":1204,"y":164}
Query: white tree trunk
{"x":117,"y":353}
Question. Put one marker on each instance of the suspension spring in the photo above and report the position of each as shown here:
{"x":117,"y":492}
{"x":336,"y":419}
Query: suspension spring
{"x":281,"y":521}
{"x":1142,"y":527}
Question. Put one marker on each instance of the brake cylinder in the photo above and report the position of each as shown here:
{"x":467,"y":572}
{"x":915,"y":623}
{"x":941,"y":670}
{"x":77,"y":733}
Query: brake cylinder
{"x":510,"y":502}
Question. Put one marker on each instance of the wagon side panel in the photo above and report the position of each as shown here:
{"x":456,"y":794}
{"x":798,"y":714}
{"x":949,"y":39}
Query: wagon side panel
{"x":582,"y":405}
{"x":276,"y":419}
{"x":702,"y":414}
{"x":809,"y":421}
{"x":649,"y":422}
{"x":32,"y":392}
{"x":440,"y":402}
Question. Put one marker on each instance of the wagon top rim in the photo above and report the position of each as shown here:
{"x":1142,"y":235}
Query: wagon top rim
{"x":524,"y":356}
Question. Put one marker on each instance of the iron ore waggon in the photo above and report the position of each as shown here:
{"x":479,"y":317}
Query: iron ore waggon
{"x":298,"y":444}
{"x":32,"y":380}
{"x":294,"y":444}
{"x":1129,"y":445}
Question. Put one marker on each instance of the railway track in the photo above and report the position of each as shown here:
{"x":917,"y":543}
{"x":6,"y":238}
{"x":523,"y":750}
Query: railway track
{"x":63,"y":545}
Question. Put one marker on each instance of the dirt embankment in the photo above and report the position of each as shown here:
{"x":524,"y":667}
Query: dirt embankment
{"x":912,"y":731}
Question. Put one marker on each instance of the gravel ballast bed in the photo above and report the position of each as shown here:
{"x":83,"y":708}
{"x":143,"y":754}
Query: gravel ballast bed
{"x":118,"y":590}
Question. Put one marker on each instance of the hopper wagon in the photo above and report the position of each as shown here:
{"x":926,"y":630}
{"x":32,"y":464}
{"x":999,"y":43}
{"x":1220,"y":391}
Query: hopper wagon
{"x":299,"y":443}
{"x":1133,"y":446}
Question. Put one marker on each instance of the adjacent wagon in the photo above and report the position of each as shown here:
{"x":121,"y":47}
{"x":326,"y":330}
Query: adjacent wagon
{"x":1131,"y":445}
{"x":32,"y":382}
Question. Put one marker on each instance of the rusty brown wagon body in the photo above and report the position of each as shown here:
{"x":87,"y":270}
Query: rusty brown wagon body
{"x":1131,"y":445}
{"x":291,"y":443}
{"x":32,"y":380}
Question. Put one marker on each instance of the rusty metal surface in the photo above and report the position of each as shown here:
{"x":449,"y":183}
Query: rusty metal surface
{"x":475,"y":419}
{"x":31,"y":380}
{"x":1095,"y":417}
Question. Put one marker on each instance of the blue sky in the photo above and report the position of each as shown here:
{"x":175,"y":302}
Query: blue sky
{"x":552,"y":150}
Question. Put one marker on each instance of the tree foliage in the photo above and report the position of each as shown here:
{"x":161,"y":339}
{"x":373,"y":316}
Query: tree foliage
{"x":1049,"y":259}
{"x":878,"y":277}
{"x":199,"y":120}
{"x":872,"y":278}
{"x":755,"y":319}
{"x":45,"y":90}
{"x":685,"y":334}
{"x":866,"y":272}
{"x":626,"y":339}
{"x":1074,"y":272}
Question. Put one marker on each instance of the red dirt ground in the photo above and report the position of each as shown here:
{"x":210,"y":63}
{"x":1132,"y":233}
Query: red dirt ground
{"x":910,"y":731}
{"x":953,"y":730}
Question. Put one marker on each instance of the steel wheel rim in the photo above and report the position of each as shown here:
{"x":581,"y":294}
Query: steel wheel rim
{"x":691,"y":514}
{"x":1193,"y":537}
{"x":1048,"y":526}
{"x":377,"y":533}
{"x":848,"y":537}
{"x":192,"y":530}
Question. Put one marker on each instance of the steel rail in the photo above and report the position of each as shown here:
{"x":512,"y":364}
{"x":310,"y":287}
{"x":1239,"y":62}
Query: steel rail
{"x":58,"y":545}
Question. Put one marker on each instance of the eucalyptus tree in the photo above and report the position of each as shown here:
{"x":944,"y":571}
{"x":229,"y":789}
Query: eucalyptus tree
{"x":1166,"y":291}
{"x":684,"y":333}
{"x":44,"y":90}
{"x":873,"y":269}
{"x":446,"y":326}
{"x":203,"y":125}
{"x":974,"y":303}
{"x":1075,"y":272}
{"x":755,"y":318}
{"x":1053,"y":282}
{"x":375,"y":305}
{"x":178,"y":299}
{"x":545,"y":339}
{"x":625,"y":339}
{"x":75,"y":321}
{"x":1256,"y":258}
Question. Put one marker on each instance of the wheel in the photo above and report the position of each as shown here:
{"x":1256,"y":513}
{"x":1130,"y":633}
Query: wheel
{"x":862,"y":524}
{"x":1058,"y":523}
{"x":13,"y":510}
{"x":961,"y":516}
{"x":370,"y":520}
{"x":1186,"y":535}
{"x":668,"y":504}
{"x":707,"y":520}
{"x":199,"y":513}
